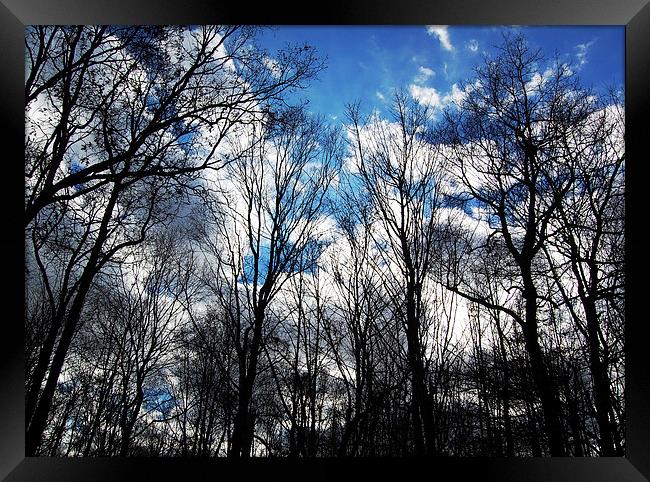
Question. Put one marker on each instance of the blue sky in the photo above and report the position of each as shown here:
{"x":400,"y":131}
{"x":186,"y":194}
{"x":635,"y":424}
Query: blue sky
{"x":367,"y":62}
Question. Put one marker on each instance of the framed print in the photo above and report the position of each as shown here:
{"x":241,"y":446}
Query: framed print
{"x":383,"y":237}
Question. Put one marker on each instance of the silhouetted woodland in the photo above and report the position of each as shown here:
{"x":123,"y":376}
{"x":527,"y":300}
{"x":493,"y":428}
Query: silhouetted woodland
{"x":211,"y":270}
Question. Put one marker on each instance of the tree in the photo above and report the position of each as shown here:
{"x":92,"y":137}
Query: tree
{"x":399,"y":171}
{"x":124,"y":348}
{"x":212,"y":271}
{"x":159,"y":98}
{"x":507,"y":146}
{"x":589,"y":226}
{"x":278,"y":187}
{"x":358,"y":331}
{"x":119,"y":122}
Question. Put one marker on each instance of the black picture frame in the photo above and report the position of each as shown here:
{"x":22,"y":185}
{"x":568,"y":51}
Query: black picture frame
{"x":16,"y":14}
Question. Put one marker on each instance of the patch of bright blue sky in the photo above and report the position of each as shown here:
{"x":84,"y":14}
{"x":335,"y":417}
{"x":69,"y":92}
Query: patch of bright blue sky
{"x":160,"y":400}
{"x":366,"y":63}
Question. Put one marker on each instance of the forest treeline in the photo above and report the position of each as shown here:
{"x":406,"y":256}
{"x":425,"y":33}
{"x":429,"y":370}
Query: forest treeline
{"x":211,"y":270}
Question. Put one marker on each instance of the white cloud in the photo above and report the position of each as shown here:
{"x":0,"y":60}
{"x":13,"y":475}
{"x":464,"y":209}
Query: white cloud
{"x":583,"y":49}
{"x":273,"y":66}
{"x":456,"y":96}
{"x":425,"y":95}
{"x":472,"y":45}
{"x":475,"y":222}
{"x":442,"y":33}
{"x":423,"y":74}
{"x":538,"y":80}
{"x":380,"y":96}
{"x":430,"y":96}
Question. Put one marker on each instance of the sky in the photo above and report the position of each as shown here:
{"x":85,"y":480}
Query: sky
{"x":366,"y":63}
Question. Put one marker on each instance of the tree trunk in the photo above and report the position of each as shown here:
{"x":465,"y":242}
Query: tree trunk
{"x":241,"y":442}
{"x":602,"y":392}
{"x":40,"y":371}
{"x":422,"y":407}
{"x":505,"y":391}
{"x":242,"y":436}
{"x":127,"y":431}
{"x":36,"y":428}
{"x":44,"y":404}
{"x":550,"y":403}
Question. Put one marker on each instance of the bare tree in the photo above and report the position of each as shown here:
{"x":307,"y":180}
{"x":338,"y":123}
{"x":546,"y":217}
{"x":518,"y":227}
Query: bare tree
{"x":589,"y":227}
{"x":399,"y":171}
{"x":127,"y":345}
{"x":118,"y":121}
{"x":158,"y":98}
{"x":356,"y":332}
{"x":281,"y":180}
{"x":506,"y":146}
{"x":212,"y":271}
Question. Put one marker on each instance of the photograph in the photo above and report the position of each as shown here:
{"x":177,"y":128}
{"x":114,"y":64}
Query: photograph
{"x":324,"y":241}
{"x":368,"y":238}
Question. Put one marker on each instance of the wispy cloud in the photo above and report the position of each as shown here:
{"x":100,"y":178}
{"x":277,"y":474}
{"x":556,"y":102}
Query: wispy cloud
{"x":380,"y":96}
{"x":274,"y":66}
{"x":423,"y":74}
{"x":442,"y":33}
{"x":583,"y":49}
{"x":472,"y":45}
{"x":456,"y":96}
{"x":538,"y":80}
